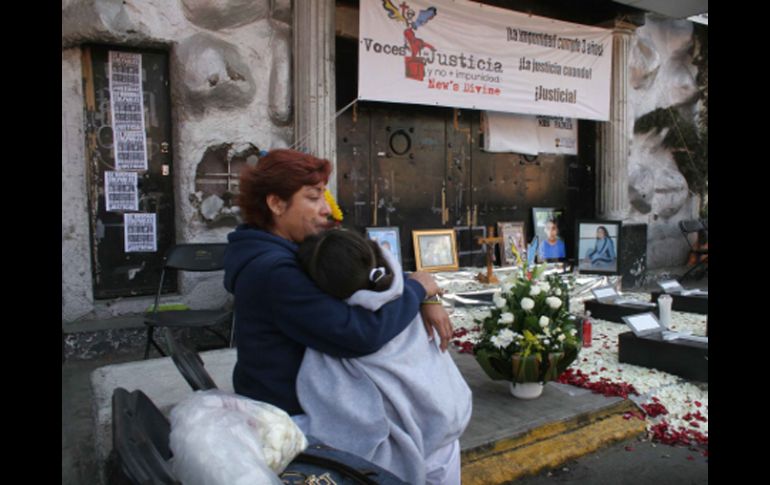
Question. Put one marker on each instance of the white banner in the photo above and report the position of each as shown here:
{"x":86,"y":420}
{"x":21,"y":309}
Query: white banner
{"x":530,"y":135}
{"x":469,"y":55}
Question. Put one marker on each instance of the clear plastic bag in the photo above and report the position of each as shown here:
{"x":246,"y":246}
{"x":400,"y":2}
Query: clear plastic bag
{"x":222,"y":438}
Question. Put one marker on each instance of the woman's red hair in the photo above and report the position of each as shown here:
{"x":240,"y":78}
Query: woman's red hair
{"x":281,"y":172}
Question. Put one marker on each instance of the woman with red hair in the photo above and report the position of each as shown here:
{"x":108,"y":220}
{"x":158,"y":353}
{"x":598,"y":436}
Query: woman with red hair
{"x":279,"y":310}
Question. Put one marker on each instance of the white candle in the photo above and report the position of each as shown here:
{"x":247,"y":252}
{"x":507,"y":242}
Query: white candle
{"x":664,"y":305}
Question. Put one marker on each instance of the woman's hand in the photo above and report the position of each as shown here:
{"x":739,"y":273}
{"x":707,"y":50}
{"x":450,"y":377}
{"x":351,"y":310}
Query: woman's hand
{"x":427,"y":282}
{"x":434,"y":316}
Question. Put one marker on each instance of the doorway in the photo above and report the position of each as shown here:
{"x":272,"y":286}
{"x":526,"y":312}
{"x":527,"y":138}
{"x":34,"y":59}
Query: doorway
{"x":116,"y":271}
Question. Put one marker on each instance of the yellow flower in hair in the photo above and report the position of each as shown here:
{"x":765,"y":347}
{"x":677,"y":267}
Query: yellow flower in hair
{"x":336,"y":212}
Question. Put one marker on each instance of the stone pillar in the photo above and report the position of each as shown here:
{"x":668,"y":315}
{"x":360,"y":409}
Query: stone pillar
{"x":615,"y":136}
{"x":314,"y":84}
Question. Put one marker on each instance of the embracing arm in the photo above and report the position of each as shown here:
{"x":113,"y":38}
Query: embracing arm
{"x":325,"y":323}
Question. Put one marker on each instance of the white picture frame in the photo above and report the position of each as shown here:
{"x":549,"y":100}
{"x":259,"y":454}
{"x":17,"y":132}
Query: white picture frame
{"x":644,"y":324}
{"x":671,"y":287}
{"x":387,"y":237}
{"x":605,"y":294}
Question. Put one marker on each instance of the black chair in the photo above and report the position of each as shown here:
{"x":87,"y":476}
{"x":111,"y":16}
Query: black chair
{"x":140,"y":440}
{"x":188,"y":257}
{"x":696,"y":228}
{"x":190,"y":364}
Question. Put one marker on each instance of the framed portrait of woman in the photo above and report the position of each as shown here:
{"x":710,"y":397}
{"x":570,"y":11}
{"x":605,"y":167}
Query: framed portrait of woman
{"x":598,"y":247}
{"x":513,"y":238}
{"x":388,"y":238}
{"x":435,"y":250}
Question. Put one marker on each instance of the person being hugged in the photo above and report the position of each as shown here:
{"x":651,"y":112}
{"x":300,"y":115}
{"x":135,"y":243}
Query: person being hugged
{"x":408,"y":400}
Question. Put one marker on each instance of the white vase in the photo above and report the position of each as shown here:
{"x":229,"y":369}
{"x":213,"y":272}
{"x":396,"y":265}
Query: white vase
{"x":526,"y":390}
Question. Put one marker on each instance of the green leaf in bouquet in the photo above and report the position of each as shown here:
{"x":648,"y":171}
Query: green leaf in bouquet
{"x":538,"y":271}
{"x":493,"y":366}
{"x":569,"y":355}
{"x":551,"y":371}
{"x":488,"y":325}
{"x":531,"y":323}
{"x":526,"y":369}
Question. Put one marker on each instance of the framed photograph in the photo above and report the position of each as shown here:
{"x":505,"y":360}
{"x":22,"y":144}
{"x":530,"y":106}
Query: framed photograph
{"x":388,"y":238}
{"x":513,"y":237}
{"x":644,"y":324}
{"x":470,"y":252}
{"x":435,"y":250}
{"x":605,"y":294}
{"x":547,"y":227}
{"x":671,"y":286}
{"x":598,"y":247}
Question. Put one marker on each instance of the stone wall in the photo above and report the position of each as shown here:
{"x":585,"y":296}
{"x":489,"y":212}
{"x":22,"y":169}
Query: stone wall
{"x":230,"y":86}
{"x":77,"y":296}
{"x":662,"y":75}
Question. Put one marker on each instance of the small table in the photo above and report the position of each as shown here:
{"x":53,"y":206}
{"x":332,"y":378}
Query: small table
{"x":684,"y":358}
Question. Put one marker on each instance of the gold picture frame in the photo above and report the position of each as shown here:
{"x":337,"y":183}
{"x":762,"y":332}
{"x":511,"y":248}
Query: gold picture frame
{"x":435,"y":250}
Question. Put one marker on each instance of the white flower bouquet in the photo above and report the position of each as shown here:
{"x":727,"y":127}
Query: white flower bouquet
{"x":529,"y":336}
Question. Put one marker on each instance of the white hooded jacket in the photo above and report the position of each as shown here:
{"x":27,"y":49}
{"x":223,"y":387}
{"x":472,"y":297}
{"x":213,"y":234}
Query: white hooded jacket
{"x":393,"y":407}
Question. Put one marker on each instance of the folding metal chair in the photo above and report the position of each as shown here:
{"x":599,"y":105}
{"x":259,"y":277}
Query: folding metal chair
{"x":190,"y":364}
{"x":695,"y":227}
{"x":188,"y":257}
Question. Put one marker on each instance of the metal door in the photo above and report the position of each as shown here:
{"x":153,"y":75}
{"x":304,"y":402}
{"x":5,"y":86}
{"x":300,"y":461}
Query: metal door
{"x":116,"y":272}
{"x":353,"y":166}
{"x":425,"y":169}
{"x":408,"y":173}
{"x":459,"y":188}
{"x":391,"y":168}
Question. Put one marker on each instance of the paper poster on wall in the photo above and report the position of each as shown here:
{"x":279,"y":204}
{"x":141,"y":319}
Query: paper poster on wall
{"x":140,"y":233}
{"x":469,"y":55}
{"x":121,"y":192}
{"x":127,"y":108}
{"x":130,"y":150}
{"x":530,"y":135}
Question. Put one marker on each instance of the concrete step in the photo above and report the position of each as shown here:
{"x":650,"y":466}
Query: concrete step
{"x":549,"y":446}
{"x":509,"y":438}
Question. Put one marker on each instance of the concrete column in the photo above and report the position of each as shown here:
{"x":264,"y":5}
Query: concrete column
{"x":314,"y":84}
{"x":615,"y":136}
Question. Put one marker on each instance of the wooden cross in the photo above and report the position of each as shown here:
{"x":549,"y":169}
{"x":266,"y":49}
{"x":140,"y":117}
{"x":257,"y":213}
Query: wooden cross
{"x":490,"y":241}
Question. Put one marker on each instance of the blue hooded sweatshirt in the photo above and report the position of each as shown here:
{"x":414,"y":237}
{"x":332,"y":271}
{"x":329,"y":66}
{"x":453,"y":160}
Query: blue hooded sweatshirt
{"x":279,"y":311}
